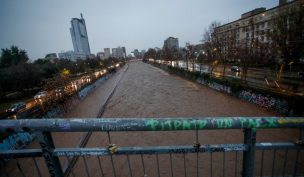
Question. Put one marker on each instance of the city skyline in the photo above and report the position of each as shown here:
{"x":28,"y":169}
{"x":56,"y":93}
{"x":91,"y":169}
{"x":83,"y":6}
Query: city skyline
{"x":43,"y":27}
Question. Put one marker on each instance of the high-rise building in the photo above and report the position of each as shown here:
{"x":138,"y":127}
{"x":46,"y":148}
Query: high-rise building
{"x":114,"y":52}
{"x":119,"y":52}
{"x":107,"y":52}
{"x":171,"y":43}
{"x":124,"y":51}
{"x":80,"y":36}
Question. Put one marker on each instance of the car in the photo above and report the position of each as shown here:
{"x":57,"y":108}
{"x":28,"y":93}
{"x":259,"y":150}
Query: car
{"x":40,"y":96}
{"x":16,"y":108}
{"x":235,"y":69}
{"x":59,"y":92}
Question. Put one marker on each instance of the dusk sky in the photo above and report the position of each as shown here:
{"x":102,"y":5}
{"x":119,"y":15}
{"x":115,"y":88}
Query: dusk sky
{"x":42,"y":27}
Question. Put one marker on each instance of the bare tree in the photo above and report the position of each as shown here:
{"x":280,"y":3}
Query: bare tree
{"x":288,"y":31}
{"x":212,"y":44}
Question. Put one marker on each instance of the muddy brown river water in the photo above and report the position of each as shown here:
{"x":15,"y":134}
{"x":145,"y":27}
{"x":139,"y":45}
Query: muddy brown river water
{"x":147,"y":91}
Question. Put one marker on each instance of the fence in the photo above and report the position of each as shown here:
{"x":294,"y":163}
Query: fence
{"x":237,"y":159}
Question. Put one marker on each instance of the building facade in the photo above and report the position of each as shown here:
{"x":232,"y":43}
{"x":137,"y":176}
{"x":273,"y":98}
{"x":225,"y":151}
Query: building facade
{"x":107,"y":52}
{"x":72,"y":55}
{"x":254,"y":27}
{"x":171,"y":43}
{"x":51,"y":56}
{"x":119,"y":52}
{"x":101,"y":55}
{"x":80,"y":36}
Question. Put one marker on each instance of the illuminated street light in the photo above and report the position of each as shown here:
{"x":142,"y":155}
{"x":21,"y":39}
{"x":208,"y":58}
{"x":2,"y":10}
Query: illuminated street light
{"x":290,"y":63}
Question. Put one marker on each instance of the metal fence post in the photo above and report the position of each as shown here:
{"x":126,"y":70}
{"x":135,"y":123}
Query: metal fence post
{"x":248,"y":156}
{"x":47,"y":146}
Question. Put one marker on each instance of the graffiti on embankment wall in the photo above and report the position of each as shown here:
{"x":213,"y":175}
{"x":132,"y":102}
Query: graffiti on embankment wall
{"x":280,"y":105}
{"x":268,"y":102}
{"x":277,"y":104}
{"x":215,"y":86}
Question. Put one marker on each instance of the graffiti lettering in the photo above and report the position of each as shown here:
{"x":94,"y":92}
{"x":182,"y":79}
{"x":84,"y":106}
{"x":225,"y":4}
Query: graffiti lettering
{"x":249,"y":123}
{"x":258,"y":122}
{"x":223,"y":123}
{"x":279,"y":105}
{"x":201,"y":124}
{"x":175,"y":124}
{"x":152,"y":124}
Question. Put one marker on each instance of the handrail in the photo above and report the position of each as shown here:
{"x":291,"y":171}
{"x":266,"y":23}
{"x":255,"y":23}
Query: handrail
{"x":148,"y":124}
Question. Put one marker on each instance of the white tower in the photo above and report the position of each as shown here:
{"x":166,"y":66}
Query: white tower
{"x":80,"y":36}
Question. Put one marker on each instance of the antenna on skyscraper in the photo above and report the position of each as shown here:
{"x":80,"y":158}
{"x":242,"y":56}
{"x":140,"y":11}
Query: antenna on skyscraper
{"x":81,"y":15}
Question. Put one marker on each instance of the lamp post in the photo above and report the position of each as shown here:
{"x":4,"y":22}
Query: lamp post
{"x":290,"y":63}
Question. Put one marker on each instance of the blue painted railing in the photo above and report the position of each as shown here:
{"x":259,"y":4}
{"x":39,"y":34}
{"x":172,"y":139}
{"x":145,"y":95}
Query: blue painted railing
{"x":290,"y":163}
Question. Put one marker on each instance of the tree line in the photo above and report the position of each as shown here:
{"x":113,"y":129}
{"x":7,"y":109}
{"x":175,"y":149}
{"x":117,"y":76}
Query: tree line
{"x":19,"y":74}
{"x":284,"y":45}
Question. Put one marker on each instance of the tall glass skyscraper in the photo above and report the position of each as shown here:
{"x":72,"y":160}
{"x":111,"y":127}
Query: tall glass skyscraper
{"x":80,"y":36}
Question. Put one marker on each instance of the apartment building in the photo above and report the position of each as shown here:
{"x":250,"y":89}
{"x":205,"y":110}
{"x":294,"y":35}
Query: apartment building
{"x":253,"y":25}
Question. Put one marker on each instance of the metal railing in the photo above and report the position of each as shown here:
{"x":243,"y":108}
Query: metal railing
{"x":187,"y":157}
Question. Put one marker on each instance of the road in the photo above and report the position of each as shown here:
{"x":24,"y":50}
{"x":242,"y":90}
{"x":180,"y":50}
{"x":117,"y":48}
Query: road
{"x":77,"y":81}
{"x":146,"y":91}
{"x":255,"y":77}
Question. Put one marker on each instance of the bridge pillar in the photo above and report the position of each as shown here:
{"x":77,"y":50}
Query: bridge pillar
{"x":47,"y":146}
{"x":248,"y":156}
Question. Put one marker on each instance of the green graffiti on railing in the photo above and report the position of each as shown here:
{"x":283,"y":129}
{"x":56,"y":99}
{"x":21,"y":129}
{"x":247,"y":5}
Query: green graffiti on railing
{"x":258,"y":122}
{"x":152,"y":124}
{"x":190,"y":124}
{"x":216,"y":123}
{"x":223,"y":123}
{"x":201,"y":124}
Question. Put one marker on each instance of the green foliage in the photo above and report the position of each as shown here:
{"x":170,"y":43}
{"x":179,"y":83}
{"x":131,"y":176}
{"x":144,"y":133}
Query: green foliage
{"x":49,"y":69}
{"x":19,"y":75}
{"x":58,"y":81}
{"x":235,"y":85}
{"x":12,"y":56}
{"x":205,"y":76}
{"x":151,"y":53}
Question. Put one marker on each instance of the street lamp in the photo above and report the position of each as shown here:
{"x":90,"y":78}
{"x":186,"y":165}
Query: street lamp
{"x":290,"y":63}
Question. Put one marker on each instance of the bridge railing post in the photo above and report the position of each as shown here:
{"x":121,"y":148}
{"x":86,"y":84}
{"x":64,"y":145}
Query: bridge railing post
{"x":47,"y":146}
{"x":248,"y":156}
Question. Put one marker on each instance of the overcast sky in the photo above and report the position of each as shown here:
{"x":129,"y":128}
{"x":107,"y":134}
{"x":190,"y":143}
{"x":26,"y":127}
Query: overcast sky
{"x":42,"y":26}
